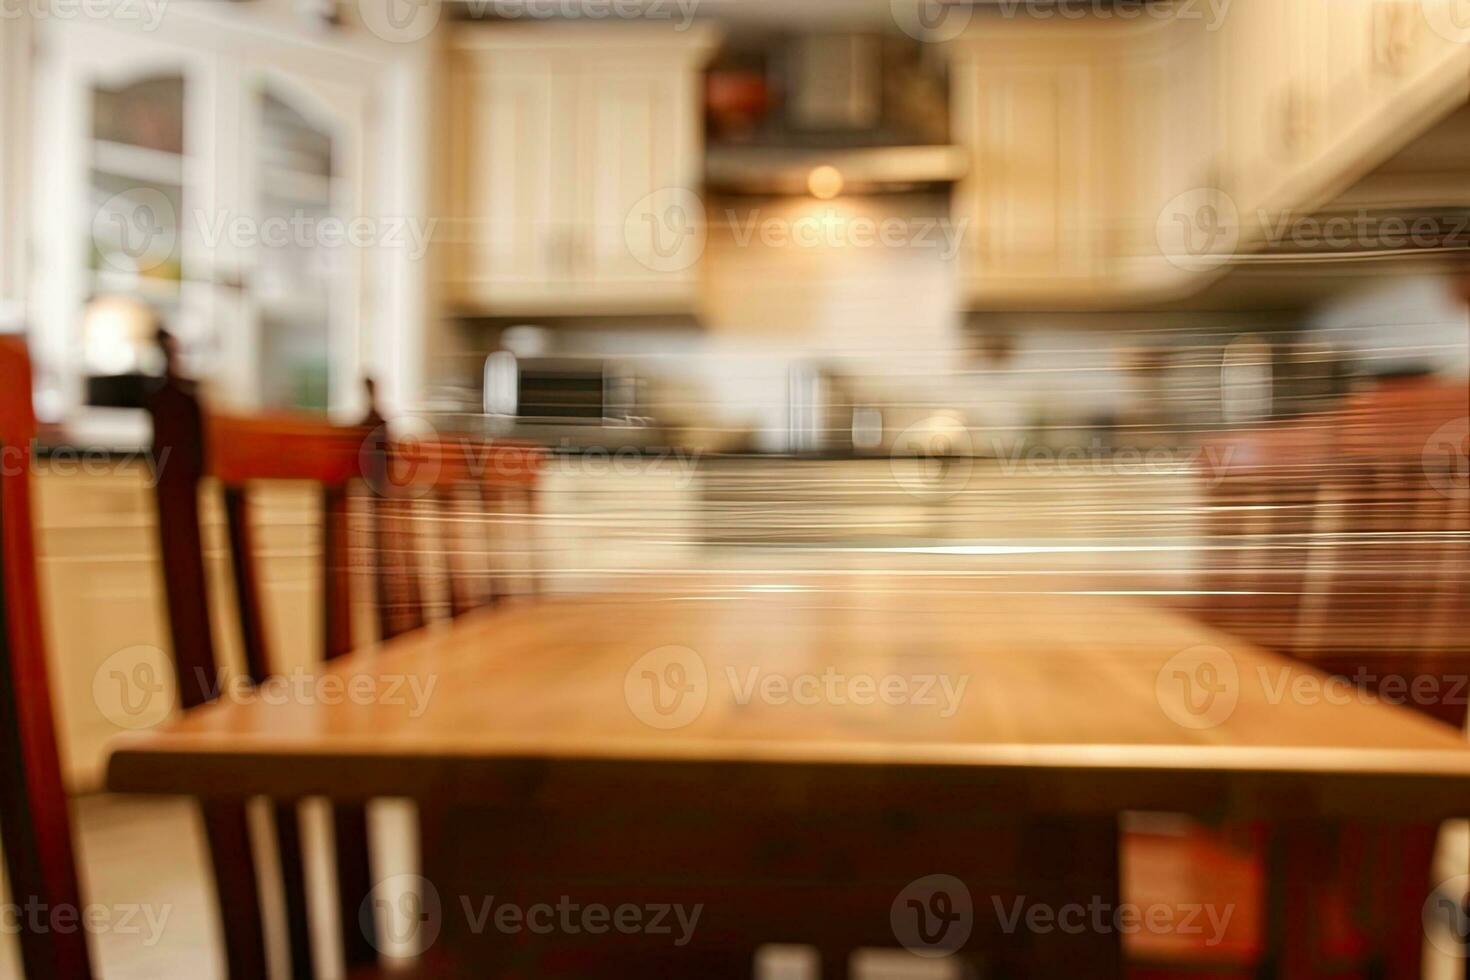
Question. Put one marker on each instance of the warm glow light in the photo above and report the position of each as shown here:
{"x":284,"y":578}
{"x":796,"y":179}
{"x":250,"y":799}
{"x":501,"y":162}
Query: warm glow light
{"x":825,"y":182}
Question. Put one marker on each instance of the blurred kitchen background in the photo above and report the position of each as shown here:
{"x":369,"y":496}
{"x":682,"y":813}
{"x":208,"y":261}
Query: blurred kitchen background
{"x":914,"y":284}
{"x":1004,"y":289}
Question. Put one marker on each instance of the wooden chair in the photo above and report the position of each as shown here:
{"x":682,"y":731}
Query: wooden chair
{"x":448,"y":509}
{"x":1386,"y":607}
{"x":1341,"y":540}
{"x":190,"y":446}
{"x":33,"y":805}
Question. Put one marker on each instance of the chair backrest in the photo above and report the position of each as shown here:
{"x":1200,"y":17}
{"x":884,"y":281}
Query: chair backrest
{"x":33,"y":807}
{"x":1260,"y":495}
{"x":456,"y":507}
{"x":190,"y":446}
{"x":1341,"y":540}
{"x":1389,"y":583}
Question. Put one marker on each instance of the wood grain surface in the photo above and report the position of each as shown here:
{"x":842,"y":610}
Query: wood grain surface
{"x":839,"y":692}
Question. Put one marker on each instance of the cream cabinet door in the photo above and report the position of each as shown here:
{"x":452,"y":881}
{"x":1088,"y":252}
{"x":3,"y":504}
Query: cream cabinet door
{"x":1030,"y":196}
{"x":512,"y":148}
{"x":637,"y":158}
{"x":558,"y":140}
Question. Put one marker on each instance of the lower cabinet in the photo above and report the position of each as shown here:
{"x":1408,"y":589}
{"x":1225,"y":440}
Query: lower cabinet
{"x":103,"y":611}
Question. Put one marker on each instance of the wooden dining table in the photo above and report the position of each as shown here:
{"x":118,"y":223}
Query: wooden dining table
{"x":833,"y":760}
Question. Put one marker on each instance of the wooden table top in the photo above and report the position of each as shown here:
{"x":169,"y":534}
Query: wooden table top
{"x":836,"y":694}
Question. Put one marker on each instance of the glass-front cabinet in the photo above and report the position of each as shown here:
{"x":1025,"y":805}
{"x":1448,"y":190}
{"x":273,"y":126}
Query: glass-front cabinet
{"x":292,"y":280}
{"x":300,"y":271}
{"x":213,"y":192}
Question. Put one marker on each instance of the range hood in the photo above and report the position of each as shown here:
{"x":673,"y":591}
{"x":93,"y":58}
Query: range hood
{"x":870,"y":107}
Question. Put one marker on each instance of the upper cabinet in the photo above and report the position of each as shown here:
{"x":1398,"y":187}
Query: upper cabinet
{"x":1030,"y":112}
{"x":1122,"y":161}
{"x":563,"y":146}
{"x":1318,"y":92}
{"x":235,"y":171}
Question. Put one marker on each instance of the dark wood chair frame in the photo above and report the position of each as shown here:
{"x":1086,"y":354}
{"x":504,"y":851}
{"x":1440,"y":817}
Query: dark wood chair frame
{"x":34,"y":818}
{"x":190,"y":446}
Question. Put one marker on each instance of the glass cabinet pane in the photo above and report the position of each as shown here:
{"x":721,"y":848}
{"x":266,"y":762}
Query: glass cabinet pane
{"x":294,"y":274}
{"x":136,"y":200}
{"x":147,"y":114}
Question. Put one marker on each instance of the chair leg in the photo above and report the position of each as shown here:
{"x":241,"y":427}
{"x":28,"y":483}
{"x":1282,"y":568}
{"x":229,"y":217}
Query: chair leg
{"x":1074,"y":860}
{"x":354,"y":883}
{"x":1299,"y":864}
{"x":834,"y":963}
{"x":1398,"y":940}
{"x":293,"y":887}
{"x":238,"y":892}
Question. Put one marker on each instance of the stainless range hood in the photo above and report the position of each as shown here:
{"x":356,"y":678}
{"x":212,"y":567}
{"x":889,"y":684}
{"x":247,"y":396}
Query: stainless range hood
{"x":845,"y":105}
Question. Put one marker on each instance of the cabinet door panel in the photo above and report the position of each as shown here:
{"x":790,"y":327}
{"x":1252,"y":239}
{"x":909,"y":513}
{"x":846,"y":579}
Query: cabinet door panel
{"x":1030,"y":193}
{"x":511,"y":184}
{"x":636,"y":137}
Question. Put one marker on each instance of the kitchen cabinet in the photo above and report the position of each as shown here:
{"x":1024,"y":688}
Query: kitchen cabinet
{"x":210,"y":167}
{"x":1320,"y":92}
{"x":1033,"y":109}
{"x":560,"y":140}
{"x":1096,"y":144}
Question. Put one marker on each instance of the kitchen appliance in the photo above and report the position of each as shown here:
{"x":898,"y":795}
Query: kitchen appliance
{"x":564,"y":390}
{"x":869,"y":107}
{"x":570,"y":402}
